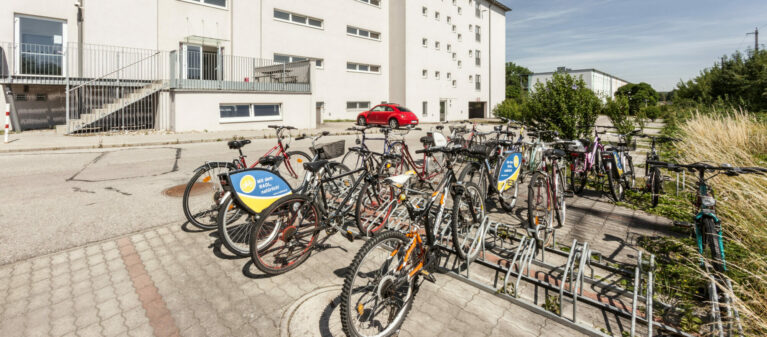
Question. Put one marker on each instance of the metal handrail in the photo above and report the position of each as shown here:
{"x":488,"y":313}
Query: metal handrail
{"x":112,"y":72}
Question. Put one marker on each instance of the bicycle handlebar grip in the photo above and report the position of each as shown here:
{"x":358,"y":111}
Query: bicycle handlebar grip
{"x":420,"y":151}
{"x":325,"y":133}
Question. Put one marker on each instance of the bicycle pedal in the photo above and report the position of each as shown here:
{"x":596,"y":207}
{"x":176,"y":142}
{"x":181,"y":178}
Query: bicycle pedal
{"x":682,"y":224}
{"x":349,"y":235}
{"x":428,"y":276}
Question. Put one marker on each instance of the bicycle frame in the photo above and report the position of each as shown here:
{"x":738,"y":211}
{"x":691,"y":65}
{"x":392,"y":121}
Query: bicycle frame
{"x":706,"y":211}
{"x":419,"y":169}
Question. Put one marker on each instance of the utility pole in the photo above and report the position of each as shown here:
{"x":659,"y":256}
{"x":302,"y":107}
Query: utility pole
{"x":756,"y":39}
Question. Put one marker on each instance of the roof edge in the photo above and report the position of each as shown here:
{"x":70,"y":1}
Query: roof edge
{"x":500,"y":5}
{"x":582,"y":70}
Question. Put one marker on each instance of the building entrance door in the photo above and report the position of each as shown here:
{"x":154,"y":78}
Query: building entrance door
{"x":476,"y":109}
{"x":442,"y":111}
{"x":320,"y":108}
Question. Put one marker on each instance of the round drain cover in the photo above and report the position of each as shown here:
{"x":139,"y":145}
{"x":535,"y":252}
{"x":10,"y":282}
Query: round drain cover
{"x":314,"y":314}
{"x":198,"y":188}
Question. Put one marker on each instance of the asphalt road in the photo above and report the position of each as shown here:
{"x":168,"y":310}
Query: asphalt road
{"x":51,"y":201}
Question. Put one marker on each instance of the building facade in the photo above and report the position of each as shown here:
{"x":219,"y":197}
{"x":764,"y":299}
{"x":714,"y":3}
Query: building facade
{"x":233,"y":64}
{"x":602,"y":84}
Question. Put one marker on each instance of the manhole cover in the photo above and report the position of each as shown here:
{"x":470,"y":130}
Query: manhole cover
{"x":314,"y":314}
{"x":198,"y":188}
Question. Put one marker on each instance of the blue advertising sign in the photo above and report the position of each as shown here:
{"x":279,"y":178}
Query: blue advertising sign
{"x":509,"y":171}
{"x":257,"y":188}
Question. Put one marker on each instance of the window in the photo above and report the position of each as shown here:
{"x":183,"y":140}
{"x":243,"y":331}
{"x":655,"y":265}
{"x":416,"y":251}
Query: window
{"x":357,"y":105}
{"x":478,"y":59}
{"x":453,"y":28}
{"x":436,"y":16}
{"x":449,"y":76}
{"x":365,"y":68}
{"x":297,"y":19}
{"x":369,"y":34}
{"x":460,"y":63}
{"x":449,"y":20}
{"x":471,"y":78}
{"x":319,"y":63}
{"x":459,"y":36}
{"x":281,"y":58}
{"x":424,"y":11}
{"x":41,"y":97}
{"x":40,"y":46}
{"x":425,"y":73}
{"x":471,"y":53}
{"x":449,"y":47}
{"x":459,"y":10}
{"x":478,"y":34}
{"x":436,"y":74}
{"x":425,"y":42}
{"x":216,"y":3}
{"x":376,"y":3}
{"x":454,"y":56}
{"x":425,"y":108}
{"x":249,"y":112}
{"x":471,"y":27}
{"x":454,"y":83}
{"x":454,"y":2}
{"x":478,"y":84}
{"x":436,"y":45}
{"x":477,"y":11}
{"x":21,"y":97}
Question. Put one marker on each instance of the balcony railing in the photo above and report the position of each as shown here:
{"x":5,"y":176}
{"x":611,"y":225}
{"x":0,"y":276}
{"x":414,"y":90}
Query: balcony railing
{"x":194,"y":70}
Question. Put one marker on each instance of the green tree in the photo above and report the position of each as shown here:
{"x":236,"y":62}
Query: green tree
{"x":563,"y":104}
{"x":639,"y":96}
{"x":618,"y":110}
{"x":516,"y":81}
{"x":509,"y":108}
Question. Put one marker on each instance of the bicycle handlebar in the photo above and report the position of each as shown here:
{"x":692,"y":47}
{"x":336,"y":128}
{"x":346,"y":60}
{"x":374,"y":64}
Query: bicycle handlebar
{"x":730,"y":170}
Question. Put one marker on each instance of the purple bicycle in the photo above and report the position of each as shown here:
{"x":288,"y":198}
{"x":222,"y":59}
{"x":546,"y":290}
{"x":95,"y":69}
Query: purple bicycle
{"x":586,"y":158}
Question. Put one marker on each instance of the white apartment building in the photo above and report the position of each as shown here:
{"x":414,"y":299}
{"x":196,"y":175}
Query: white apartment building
{"x":601,"y":83}
{"x":180,"y":65}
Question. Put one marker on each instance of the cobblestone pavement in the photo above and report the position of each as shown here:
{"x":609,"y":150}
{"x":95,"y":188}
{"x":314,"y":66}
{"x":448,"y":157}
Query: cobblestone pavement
{"x":167,"y":282}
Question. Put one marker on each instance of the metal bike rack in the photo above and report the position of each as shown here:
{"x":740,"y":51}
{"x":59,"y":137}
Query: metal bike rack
{"x":733,"y":316}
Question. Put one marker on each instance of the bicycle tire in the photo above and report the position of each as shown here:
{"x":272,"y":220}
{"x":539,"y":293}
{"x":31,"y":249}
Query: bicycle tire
{"x":371,"y":198}
{"x":578,"y":179}
{"x":349,"y":311}
{"x":712,"y":238}
{"x":655,"y":184}
{"x":613,"y":181}
{"x":537,"y":185}
{"x":295,"y":160}
{"x":559,"y":190}
{"x":472,"y":173}
{"x":508,"y":198}
{"x":195,"y":218}
{"x":459,"y":225}
{"x":288,"y":234}
{"x":352,"y":160}
{"x":234,"y":236}
{"x":629,"y":178}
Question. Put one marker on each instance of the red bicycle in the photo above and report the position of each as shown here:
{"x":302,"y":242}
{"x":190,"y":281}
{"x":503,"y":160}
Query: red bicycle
{"x":201,"y":206}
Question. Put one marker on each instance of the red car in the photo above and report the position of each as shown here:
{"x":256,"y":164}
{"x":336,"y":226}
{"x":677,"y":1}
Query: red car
{"x":390,"y":114}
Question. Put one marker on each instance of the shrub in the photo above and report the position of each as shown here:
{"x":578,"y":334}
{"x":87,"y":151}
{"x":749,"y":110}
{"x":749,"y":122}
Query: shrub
{"x":509,"y":109}
{"x":618,"y":112}
{"x":563,"y":104}
{"x":652,"y":112}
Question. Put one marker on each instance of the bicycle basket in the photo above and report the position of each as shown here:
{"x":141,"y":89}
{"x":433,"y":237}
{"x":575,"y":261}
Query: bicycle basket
{"x":331,"y":150}
{"x":576,"y":146}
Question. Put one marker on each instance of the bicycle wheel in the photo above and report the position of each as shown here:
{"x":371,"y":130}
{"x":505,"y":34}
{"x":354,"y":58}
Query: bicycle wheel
{"x":353,"y":160}
{"x":616,"y":188}
{"x":579,"y":175}
{"x":655,"y":184}
{"x":508,"y":197}
{"x":374,"y":206}
{"x":235,"y":226}
{"x":473,"y":173}
{"x":202,"y":195}
{"x":466,"y":225}
{"x":538,"y":202}
{"x":713,"y":237}
{"x":292,"y":169}
{"x":629,"y":179}
{"x":559,"y":196}
{"x":285,"y":234}
{"x":376,"y":296}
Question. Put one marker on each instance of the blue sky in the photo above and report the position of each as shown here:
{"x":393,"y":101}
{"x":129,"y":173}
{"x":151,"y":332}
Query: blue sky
{"x":658,"y":42}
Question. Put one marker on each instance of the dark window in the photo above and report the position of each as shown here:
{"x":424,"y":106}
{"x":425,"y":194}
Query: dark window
{"x":281,"y":15}
{"x":268,"y":110}
{"x":235,"y":111}
{"x":403,"y":109}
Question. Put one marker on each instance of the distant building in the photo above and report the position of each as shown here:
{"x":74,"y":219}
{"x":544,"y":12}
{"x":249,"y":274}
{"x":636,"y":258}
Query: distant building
{"x":601,"y":83}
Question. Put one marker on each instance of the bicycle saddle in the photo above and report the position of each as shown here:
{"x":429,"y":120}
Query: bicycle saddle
{"x":399,"y":180}
{"x":270,"y":160}
{"x":236,"y":144}
{"x":439,"y":127}
{"x":315,"y":165}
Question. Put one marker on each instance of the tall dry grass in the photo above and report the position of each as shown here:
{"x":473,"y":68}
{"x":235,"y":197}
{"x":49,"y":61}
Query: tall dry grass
{"x":738,"y":139}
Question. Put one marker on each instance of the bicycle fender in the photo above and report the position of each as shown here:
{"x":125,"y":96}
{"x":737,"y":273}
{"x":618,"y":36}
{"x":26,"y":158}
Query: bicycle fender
{"x":708,"y":215}
{"x":211,"y":164}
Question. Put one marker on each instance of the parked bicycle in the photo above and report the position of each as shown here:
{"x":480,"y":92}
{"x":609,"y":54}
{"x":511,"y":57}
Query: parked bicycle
{"x":546,"y":195}
{"x":384,"y":275}
{"x":706,"y":224}
{"x":653,"y":177}
{"x":203,"y":192}
{"x":619,"y":165}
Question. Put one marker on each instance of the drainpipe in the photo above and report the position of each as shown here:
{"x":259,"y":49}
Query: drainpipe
{"x":80,"y":33}
{"x":490,"y":57}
